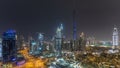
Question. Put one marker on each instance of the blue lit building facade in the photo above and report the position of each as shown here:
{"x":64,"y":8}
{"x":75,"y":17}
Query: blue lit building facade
{"x":9,"y":48}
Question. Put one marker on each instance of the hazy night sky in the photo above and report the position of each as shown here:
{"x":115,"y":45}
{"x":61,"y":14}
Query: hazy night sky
{"x":94,"y":17}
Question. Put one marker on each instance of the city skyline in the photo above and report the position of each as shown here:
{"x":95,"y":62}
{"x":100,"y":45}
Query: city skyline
{"x":59,"y":34}
{"x":94,"y":18}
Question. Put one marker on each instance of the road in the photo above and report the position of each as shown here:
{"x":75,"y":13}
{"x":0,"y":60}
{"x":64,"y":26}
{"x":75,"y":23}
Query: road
{"x":31,"y":62}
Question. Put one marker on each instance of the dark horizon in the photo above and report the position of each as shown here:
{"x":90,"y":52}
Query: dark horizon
{"x":94,"y":18}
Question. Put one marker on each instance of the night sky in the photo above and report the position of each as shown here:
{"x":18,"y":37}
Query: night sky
{"x":94,"y":17}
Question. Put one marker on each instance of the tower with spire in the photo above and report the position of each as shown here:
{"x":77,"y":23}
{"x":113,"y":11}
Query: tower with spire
{"x":74,"y":26}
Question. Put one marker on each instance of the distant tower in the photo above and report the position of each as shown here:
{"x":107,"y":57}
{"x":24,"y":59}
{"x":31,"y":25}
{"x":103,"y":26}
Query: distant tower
{"x":115,"y":37}
{"x":74,"y":31}
{"x":74,"y":26}
{"x":81,"y":42}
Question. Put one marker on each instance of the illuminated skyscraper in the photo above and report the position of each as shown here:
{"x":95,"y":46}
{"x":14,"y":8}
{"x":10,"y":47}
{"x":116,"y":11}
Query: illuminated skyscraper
{"x":40,"y":46}
{"x":115,"y":37}
{"x":58,"y":40}
{"x":36,"y":47}
{"x":9,"y":49}
{"x":32,"y":46}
